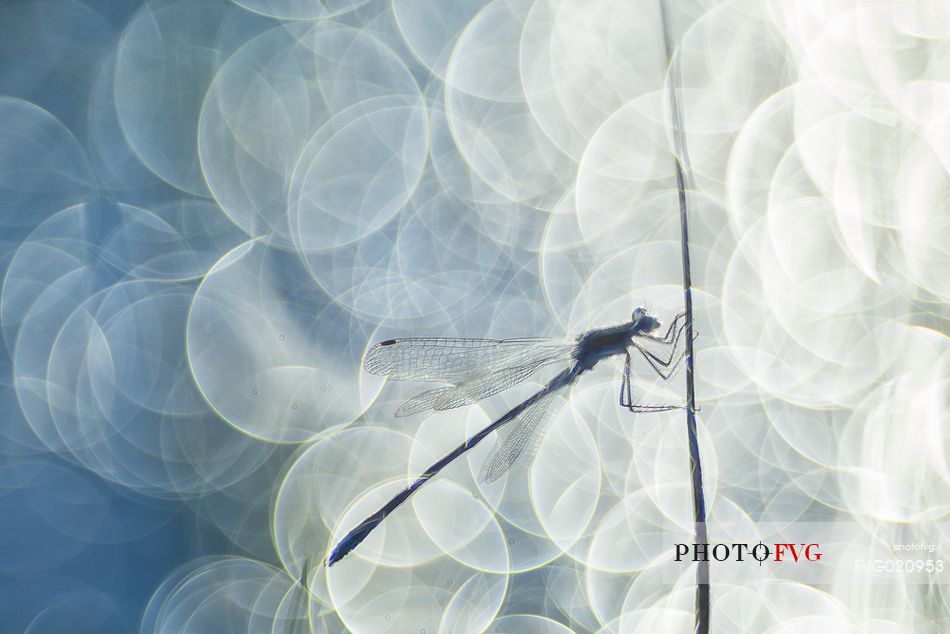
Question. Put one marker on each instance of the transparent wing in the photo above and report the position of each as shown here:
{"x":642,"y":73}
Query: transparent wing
{"x":422,"y":402}
{"x":460,"y":360}
{"x":521,"y":440}
{"x":480,"y":387}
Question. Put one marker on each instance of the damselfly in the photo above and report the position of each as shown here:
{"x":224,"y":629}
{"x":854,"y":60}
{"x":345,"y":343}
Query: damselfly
{"x":479,"y":368}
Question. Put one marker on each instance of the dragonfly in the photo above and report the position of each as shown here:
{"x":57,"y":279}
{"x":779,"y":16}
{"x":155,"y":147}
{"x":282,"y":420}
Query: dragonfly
{"x":476,"y":369}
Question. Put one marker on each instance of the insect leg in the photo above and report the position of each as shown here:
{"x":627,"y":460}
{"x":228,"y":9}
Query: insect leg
{"x":626,"y":371}
{"x":671,"y":332}
{"x":673,"y":328}
{"x":661,"y":361}
{"x":625,"y":383}
{"x":663,"y":368}
{"x":626,"y":394}
{"x":647,"y":409}
{"x":673,"y":348}
{"x":626,"y":391}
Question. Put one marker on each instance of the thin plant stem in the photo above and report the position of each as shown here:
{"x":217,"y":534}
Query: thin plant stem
{"x":681,"y":165}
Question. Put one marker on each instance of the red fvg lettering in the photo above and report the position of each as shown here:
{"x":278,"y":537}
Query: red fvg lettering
{"x":781,"y":550}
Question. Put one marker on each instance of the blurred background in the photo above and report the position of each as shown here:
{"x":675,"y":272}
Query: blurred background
{"x":210,"y":209}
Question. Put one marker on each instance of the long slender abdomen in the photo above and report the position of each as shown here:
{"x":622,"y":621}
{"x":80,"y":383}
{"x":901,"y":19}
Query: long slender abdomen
{"x":353,"y":538}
